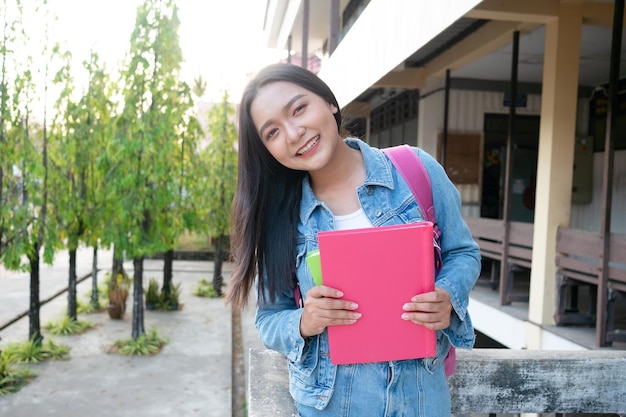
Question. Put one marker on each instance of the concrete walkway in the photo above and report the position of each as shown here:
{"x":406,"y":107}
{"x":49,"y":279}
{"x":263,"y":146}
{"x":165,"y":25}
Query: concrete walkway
{"x":191,"y":376}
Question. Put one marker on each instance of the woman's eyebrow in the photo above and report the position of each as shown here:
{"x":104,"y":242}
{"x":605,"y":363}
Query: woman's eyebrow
{"x":285,"y":108}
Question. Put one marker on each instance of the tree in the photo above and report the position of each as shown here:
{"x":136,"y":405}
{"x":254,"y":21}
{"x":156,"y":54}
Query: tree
{"x":145,"y":153}
{"x":27,"y":227}
{"x":218,"y":180}
{"x":63,"y":180}
{"x":83,"y":129}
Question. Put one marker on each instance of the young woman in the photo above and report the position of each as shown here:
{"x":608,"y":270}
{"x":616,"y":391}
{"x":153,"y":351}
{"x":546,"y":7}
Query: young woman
{"x":299,"y":176}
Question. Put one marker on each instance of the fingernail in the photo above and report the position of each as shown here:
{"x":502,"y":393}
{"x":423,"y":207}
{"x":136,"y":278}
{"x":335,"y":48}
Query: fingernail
{"x":354,"y":306}
{"x":405,"y":316}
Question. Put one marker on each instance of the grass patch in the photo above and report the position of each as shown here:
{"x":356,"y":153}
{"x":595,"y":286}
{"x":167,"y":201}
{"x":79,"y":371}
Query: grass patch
{"x":86,"y":306}
{"x":68,"y":326}
{"x":162,"y":300}
{"x":205,"y":289}
{"x":83,"y":307}
{"x":147,"y":344}
{"x":12,"y":378}
{"x":34,"y":351}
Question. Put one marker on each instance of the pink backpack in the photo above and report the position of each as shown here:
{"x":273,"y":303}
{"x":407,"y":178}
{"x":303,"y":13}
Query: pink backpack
{"x":410,"y":166}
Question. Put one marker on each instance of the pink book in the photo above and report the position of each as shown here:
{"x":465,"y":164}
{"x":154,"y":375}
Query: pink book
{"x":379,"y":268}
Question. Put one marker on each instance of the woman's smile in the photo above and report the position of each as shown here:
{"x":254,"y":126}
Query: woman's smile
{"x":308,"y":146}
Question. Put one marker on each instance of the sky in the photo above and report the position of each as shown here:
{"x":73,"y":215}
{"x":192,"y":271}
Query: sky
{"x":222,"y":40}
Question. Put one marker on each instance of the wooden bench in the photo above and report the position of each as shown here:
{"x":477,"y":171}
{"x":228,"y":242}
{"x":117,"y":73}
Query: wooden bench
{"x":516,"y":253}
{"x":519,"y":259}
{"x":486,"y":381}
{"x":489,"y":234}
{"x":578,"y":261}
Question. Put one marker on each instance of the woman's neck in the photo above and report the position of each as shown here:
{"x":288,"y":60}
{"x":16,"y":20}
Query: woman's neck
{"x":336,"y":184}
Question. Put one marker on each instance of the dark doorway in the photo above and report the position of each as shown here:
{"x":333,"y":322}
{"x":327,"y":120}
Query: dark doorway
{"x":525,"y":144}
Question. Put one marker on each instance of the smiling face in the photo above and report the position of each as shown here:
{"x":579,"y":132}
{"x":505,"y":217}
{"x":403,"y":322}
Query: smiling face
{"x":296,"y":126}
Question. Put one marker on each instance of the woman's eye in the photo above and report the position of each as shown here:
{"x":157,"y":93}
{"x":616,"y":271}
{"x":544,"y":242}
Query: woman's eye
{"x":299,"y":108}
{"x":271,"y":133}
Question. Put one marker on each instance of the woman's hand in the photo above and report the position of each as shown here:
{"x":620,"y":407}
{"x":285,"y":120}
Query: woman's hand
{"x":323,"y":307}
{"x":431,"y":310}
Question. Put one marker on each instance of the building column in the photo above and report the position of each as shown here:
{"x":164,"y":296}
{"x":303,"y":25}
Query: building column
{"x":306,"y":10}
{"x":555,"y":162}
{"x":430,"y":116}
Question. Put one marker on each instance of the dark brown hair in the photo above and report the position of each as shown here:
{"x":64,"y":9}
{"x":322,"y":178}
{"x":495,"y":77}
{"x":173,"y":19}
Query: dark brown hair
{"x":267,"y":200}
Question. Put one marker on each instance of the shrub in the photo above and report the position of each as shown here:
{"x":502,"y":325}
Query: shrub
{"x":146,"y":344}
{"x":12,"y":379}
{"x":34,"y":351}
{"x":152,"y":293}
{"x":68,"y":326}
{"x":205,"y":289}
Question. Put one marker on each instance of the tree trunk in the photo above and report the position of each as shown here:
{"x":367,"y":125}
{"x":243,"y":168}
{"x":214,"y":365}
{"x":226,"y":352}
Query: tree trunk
{"x":138,"y":309}
{"x":218,"y":259}
{"x":168,"y":261}
{"x":34,"y":330}
{"x":71,"y":287}
{"x":118,"y":264}
{"x":95,"y":302}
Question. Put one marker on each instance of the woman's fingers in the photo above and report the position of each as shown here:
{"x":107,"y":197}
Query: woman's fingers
{"x":431,"y":310}
{"x":324,"y":307}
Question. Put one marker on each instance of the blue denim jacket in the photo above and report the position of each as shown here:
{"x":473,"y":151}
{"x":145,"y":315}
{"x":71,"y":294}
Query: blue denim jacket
{"x":387,"y":200}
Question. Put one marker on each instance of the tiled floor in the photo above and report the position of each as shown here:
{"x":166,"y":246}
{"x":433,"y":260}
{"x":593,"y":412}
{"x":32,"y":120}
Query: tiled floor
{"x":580,"y":334}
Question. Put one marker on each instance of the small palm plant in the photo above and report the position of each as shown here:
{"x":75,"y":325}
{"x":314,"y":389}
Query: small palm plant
{"x":12,"y":379}
{"x":152,"y":294}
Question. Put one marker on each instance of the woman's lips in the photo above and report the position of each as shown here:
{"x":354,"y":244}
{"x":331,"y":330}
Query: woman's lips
{"x":309,"y":145}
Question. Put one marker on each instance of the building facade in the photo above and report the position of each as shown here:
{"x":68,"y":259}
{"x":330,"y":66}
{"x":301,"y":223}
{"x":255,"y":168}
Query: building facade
{"x":514,"y":99}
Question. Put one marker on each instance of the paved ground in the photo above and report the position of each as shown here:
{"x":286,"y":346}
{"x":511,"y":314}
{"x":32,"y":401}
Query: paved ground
{"x":192,"y":376}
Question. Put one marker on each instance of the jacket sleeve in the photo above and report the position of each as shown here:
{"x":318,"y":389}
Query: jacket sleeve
{"x":278,"y":324}
{"x":459,"y":251}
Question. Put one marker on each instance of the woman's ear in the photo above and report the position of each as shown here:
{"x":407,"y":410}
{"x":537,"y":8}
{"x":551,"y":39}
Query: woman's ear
{"x":333,"y":108}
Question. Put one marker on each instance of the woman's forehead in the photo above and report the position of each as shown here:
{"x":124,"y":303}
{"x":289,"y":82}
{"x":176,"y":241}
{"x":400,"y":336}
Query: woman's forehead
{"x":279,"y":89}
{"x":275,"y":97}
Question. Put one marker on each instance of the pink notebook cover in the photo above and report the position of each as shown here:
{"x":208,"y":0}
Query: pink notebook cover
{"x":379,"y":268}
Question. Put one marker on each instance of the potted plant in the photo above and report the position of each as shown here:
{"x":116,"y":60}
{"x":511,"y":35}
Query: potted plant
{"x":117,"y":302}
{"x":118,"y":294}
{"x":152,"y":294}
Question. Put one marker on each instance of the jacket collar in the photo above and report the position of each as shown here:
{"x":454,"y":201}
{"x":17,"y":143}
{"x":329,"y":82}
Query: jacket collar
{"x":378,"y":172}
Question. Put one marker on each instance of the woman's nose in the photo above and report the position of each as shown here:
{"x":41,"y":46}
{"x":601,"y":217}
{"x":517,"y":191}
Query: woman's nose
{"x":295,"y":132}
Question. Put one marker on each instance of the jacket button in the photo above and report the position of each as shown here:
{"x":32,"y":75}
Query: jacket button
{"x":379,"y":212}
{"x":369,"y":190}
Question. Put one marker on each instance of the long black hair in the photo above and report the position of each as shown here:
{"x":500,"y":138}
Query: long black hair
{"x":267,"y":201}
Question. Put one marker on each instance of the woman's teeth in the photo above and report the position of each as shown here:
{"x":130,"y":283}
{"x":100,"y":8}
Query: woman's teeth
{"x":308,"y":146}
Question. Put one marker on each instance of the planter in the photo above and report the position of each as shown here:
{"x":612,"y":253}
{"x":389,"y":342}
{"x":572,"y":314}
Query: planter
{"x":116,"y":311}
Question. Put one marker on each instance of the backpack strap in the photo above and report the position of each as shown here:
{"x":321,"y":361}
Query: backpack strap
{"x":410,"y":166}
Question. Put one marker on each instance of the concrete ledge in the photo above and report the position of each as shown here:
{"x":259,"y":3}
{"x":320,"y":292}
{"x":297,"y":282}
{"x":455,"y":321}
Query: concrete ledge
{"x":268,"y":385}
{"x":486,"y":381}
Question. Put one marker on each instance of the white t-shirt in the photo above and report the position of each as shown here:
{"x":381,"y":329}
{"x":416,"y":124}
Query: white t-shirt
{"x":356,"y":220}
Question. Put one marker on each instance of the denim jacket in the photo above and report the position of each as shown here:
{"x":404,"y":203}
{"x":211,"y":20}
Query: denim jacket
{"x":386,"y":200}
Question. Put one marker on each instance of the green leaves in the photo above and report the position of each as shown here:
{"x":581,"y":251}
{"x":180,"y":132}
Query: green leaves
{"x":35,"y":351}
{"x":67,"y":326}
{"x":12,"y":378}
{"x":215,"y":187}
{"x":145,"y":188}
{"x":146,"y":344}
